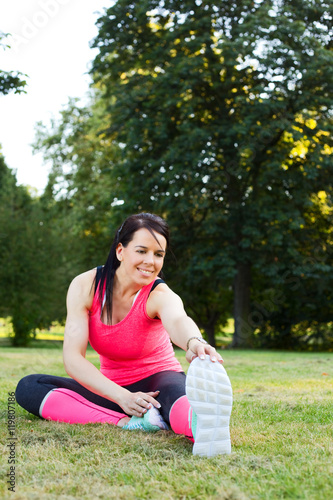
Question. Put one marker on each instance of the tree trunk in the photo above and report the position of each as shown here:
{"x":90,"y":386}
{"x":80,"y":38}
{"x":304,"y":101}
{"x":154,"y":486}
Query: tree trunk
{"x":210,"y":331}
{"x":242,"y":290}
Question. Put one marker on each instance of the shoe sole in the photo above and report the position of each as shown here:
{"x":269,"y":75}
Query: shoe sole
{"x":209,"y":392}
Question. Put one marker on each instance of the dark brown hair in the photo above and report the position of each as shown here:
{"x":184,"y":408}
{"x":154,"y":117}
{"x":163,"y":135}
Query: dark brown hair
{"x":124,"y":235}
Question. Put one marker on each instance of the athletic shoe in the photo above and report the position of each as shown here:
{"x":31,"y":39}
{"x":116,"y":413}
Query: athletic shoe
{"x":151,"y":421}
{"x":209,"y":392}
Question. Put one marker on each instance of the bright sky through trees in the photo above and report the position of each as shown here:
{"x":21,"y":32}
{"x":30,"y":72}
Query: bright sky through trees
{"x":50,"y":44}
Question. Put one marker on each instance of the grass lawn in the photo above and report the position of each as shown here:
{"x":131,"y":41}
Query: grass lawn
{"x":281,"y":428}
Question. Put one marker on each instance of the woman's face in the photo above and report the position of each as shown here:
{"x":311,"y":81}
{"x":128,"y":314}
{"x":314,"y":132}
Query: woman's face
{"x":142,"y":259}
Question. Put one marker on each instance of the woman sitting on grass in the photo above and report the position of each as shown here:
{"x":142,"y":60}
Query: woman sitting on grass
{"x":129,"y":316}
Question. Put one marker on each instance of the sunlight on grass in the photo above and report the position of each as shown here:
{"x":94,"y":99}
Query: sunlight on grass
{"x":55,"y":332}
{"x":229,"y":328}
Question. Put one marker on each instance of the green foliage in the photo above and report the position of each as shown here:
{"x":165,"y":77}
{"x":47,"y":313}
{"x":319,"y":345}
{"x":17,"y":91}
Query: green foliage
{"x":80,"y":183}
{"x":33,"y":282}
{"x":217,"y":116}
{"x":10,"y":80}
{"x":297,"y":312}
{"x":225,"y":117}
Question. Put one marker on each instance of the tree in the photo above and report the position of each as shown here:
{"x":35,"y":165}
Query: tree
{"x":32,"y":265}
{"x":86,"y":189}
{"x":27,"y":247}
{"x":224,"y":116}
{"x":298,"y":312}
{"x":10,"y":80}
{"x":80,"y":181}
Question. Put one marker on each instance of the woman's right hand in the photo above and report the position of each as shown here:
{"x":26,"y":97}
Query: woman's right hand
{"x":137,"y":403}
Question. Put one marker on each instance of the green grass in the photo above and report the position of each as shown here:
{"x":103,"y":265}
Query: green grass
{"x":281,"y":428}
{"x":56,"y":332}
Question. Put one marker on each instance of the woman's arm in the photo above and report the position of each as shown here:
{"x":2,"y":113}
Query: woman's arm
{"x":79,"y":301}
{"x":168,"y":306}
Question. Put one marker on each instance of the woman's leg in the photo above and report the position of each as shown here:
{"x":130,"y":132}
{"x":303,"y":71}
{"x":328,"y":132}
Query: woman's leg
{"x":197,"y":405}
{"x":209,"y":392}
{"x":204,"y":406}
{"x":65,"y":400}
{"x":175,"y":408}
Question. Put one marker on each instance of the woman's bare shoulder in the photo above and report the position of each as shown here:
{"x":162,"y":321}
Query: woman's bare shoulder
{"x":163,"y":291}
{"x":162,"y":296}
{"x":84,"y":279}
{"x":82,"y":287}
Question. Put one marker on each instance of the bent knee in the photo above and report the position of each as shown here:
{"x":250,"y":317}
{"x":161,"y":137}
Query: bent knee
{"x":29,"y":394}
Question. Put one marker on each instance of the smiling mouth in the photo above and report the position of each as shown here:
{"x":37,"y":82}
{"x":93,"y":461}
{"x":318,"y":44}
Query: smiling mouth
{"x":145,"y":271}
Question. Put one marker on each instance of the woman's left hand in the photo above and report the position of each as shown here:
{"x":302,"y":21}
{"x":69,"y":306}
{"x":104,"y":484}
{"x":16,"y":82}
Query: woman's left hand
{"x":199,"y":350}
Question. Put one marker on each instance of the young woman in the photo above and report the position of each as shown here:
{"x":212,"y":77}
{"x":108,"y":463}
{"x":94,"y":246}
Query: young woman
{"x":128,"y":314}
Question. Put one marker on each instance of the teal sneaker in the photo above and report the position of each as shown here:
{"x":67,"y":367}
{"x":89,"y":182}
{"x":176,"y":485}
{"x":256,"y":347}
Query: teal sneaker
{"x":151,"y":421}
{"x":209,"y":392}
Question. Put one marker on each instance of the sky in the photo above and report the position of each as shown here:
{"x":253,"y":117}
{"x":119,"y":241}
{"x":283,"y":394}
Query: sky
{"x":50,"y":43}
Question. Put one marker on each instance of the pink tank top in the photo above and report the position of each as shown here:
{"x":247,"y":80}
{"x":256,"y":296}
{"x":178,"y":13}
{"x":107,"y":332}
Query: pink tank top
{"x":136,"y":347}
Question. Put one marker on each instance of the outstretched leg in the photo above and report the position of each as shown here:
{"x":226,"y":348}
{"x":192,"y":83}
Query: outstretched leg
{"x":209,"y":393}
{"x":197,"y":405}
{"x":65,"y":400}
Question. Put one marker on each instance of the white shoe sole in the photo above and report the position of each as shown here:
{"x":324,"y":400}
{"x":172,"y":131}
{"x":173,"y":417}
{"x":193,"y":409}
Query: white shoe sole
{"x":209,"y":392}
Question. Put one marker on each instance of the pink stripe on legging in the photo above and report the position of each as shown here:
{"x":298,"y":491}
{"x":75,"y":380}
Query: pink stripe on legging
{"x":64,"y":405}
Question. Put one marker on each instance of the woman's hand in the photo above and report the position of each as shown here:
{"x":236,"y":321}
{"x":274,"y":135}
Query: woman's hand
{"x":198,"y":349}
{"x":137,"y":403}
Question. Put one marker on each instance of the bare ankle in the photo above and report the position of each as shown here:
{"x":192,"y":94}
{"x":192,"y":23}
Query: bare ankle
{"x":123,"y":421}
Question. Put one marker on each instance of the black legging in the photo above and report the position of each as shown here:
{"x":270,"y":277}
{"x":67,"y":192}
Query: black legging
{"x":32,"y":389}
